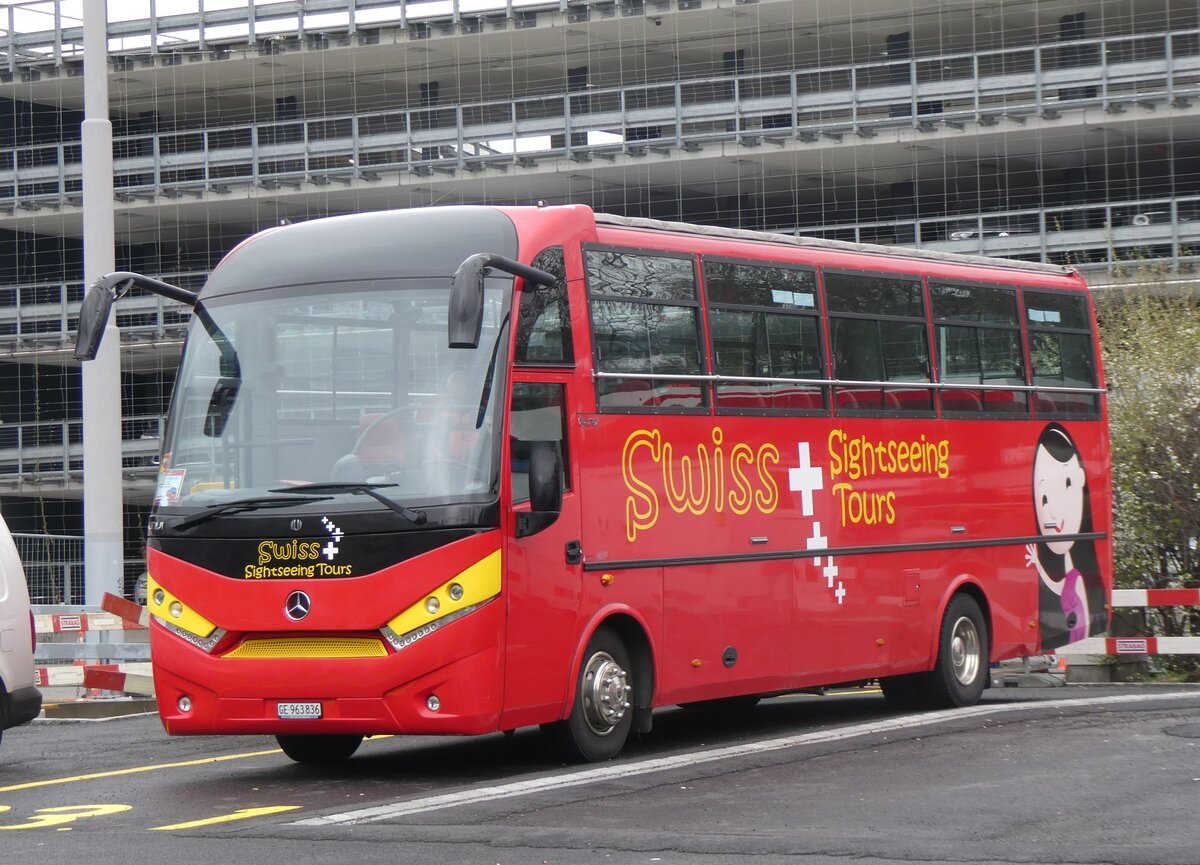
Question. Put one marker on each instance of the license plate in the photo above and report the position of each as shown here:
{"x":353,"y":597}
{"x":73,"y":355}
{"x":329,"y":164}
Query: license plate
{"x":298,"y":710}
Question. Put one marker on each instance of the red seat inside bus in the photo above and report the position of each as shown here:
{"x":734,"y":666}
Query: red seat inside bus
{"x":380,"y":439}
{"x":795,"y":399}
{"x":961,"y":400}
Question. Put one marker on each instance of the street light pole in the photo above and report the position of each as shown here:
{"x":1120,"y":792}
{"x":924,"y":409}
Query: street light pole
{"x":103,"y":533}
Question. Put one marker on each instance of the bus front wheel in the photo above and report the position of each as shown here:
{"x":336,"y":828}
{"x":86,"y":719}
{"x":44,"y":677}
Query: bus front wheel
{"x":601,"y":711}
{"x":319,"y":749}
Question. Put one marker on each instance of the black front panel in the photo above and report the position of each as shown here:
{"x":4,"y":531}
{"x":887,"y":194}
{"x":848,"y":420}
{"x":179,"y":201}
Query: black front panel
{"x":328,"y":554}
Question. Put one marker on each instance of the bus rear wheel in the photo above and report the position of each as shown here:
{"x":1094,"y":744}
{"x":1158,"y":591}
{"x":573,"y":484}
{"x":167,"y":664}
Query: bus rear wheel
{"x":318,"y":750}
{"x":961,"y":672}
{"x":601,"y":712}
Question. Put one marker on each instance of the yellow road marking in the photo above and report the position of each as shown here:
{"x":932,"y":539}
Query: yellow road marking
{"x":44,"y":817}
{"x":135,"y":770}
{"x":241,"y":814}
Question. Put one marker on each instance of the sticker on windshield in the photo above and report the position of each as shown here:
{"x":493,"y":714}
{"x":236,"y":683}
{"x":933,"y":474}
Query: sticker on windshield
{"x":170,"y":486}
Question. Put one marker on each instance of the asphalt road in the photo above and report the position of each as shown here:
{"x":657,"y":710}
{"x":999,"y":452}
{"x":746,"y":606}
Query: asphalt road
{"x":1064,"y":775}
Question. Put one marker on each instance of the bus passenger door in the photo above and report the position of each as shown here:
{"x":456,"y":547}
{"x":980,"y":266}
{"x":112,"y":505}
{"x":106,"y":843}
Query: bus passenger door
{"x":543,"y":570}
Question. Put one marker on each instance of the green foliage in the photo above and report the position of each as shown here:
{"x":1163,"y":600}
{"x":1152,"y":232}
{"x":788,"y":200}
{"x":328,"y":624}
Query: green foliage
{"x":1151,"y":344}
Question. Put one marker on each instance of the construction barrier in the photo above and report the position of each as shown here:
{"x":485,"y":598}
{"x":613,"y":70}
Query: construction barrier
{"x":96,"y":663}
{"x":1142,"y":645}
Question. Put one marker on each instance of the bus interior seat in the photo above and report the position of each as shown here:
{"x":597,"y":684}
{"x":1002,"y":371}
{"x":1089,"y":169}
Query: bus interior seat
{"x":800,"y":399}
{"x":742,"y":399}
{"x":380,"y":444}
{"x":961,"y":400}
{"x":1007,"y":401}
{"x":1045,"y":404}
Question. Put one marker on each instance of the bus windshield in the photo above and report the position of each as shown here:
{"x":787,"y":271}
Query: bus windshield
{"x":341,"y":385}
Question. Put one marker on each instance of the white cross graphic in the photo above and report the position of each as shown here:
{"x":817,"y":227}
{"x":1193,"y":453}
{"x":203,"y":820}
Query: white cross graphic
{"x":841,"y":592}
{"x":817,"y":542}
{"x":830,"y":571}
{"x":329,"y":550}
{"x":805,"y":479}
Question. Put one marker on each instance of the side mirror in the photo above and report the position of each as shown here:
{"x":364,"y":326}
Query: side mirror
{"x":466,"y":294}
{"x":93,"y":318}
{"x":466,"y":302}
{"x":545,"y":488}
{"x":97,"y":303}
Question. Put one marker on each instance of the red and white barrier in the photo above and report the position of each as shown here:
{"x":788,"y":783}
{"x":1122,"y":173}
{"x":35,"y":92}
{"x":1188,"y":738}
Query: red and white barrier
{"x":1155,"y":597}
{"x":106,"y":678}
{"x":78,"y":675}
{"x":1142,"y":645}
{"x":115,"y":614}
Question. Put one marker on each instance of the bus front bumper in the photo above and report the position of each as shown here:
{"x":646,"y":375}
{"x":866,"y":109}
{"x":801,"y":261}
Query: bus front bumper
{"x":448,"y":683}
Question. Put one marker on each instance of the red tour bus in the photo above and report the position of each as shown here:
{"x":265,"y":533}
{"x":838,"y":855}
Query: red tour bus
{"x":469,"y":469}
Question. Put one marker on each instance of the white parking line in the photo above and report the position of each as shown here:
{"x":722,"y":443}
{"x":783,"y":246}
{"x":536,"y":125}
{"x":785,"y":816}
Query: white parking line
{"x":645,"y":767}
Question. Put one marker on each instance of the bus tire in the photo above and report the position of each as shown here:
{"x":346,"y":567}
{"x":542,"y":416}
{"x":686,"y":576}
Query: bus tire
{"x":601,"y":709}
{"x":319,"y":750}
{"x":961,"y":672}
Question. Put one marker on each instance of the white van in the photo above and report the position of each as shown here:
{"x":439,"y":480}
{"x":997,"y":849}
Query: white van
{"x":20,"y":700}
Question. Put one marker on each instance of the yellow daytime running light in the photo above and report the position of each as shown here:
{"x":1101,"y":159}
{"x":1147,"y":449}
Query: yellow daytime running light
{"x":478,"y":583}
{"x":165,"y":606}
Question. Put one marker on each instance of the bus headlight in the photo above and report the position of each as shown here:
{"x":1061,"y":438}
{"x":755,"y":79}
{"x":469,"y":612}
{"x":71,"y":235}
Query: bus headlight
{"x":475,"y":587}
{"x":182,"y":621}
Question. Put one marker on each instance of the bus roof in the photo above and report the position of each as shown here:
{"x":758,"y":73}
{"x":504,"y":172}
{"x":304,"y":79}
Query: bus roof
{"x":833,"y":245}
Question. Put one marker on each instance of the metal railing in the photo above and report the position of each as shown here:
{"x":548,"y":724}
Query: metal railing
{"x":807,"y":105}
{"x":42,"y":31}
{"x":52,"y":451}
{"x":53,"y":567}
{"x":35,"y":314}
{"x":1110,"y":234}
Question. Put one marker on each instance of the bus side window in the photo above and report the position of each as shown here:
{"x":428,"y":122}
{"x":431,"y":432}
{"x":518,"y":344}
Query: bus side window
{"x":765,"y":325}
{"x":1060,"y":351}
{"x":645,"y":314}
{"x":544,"y":319}
{"x":538,"y":414}
{"x":877,"y":333}
{"x":977,"y":331}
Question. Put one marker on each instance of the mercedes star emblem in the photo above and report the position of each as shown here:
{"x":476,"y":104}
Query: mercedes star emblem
{"x":297,"y":606}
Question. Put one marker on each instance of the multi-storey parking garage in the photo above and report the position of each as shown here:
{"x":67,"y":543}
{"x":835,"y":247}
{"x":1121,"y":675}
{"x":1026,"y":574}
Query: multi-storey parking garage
{"x":1066,"y":132}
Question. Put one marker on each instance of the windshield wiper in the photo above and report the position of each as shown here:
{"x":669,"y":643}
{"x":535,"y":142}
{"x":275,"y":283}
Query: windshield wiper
{"x":249,"y":504}
{"x":485,"y":395}
{"x":413,"y":515}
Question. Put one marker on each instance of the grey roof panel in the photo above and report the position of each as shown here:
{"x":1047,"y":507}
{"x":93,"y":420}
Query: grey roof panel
{"x":833,"y":245}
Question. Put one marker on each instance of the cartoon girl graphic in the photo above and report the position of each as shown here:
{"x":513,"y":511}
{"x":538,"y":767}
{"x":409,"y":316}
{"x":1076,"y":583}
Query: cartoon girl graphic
{"x":1071,"y":596}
